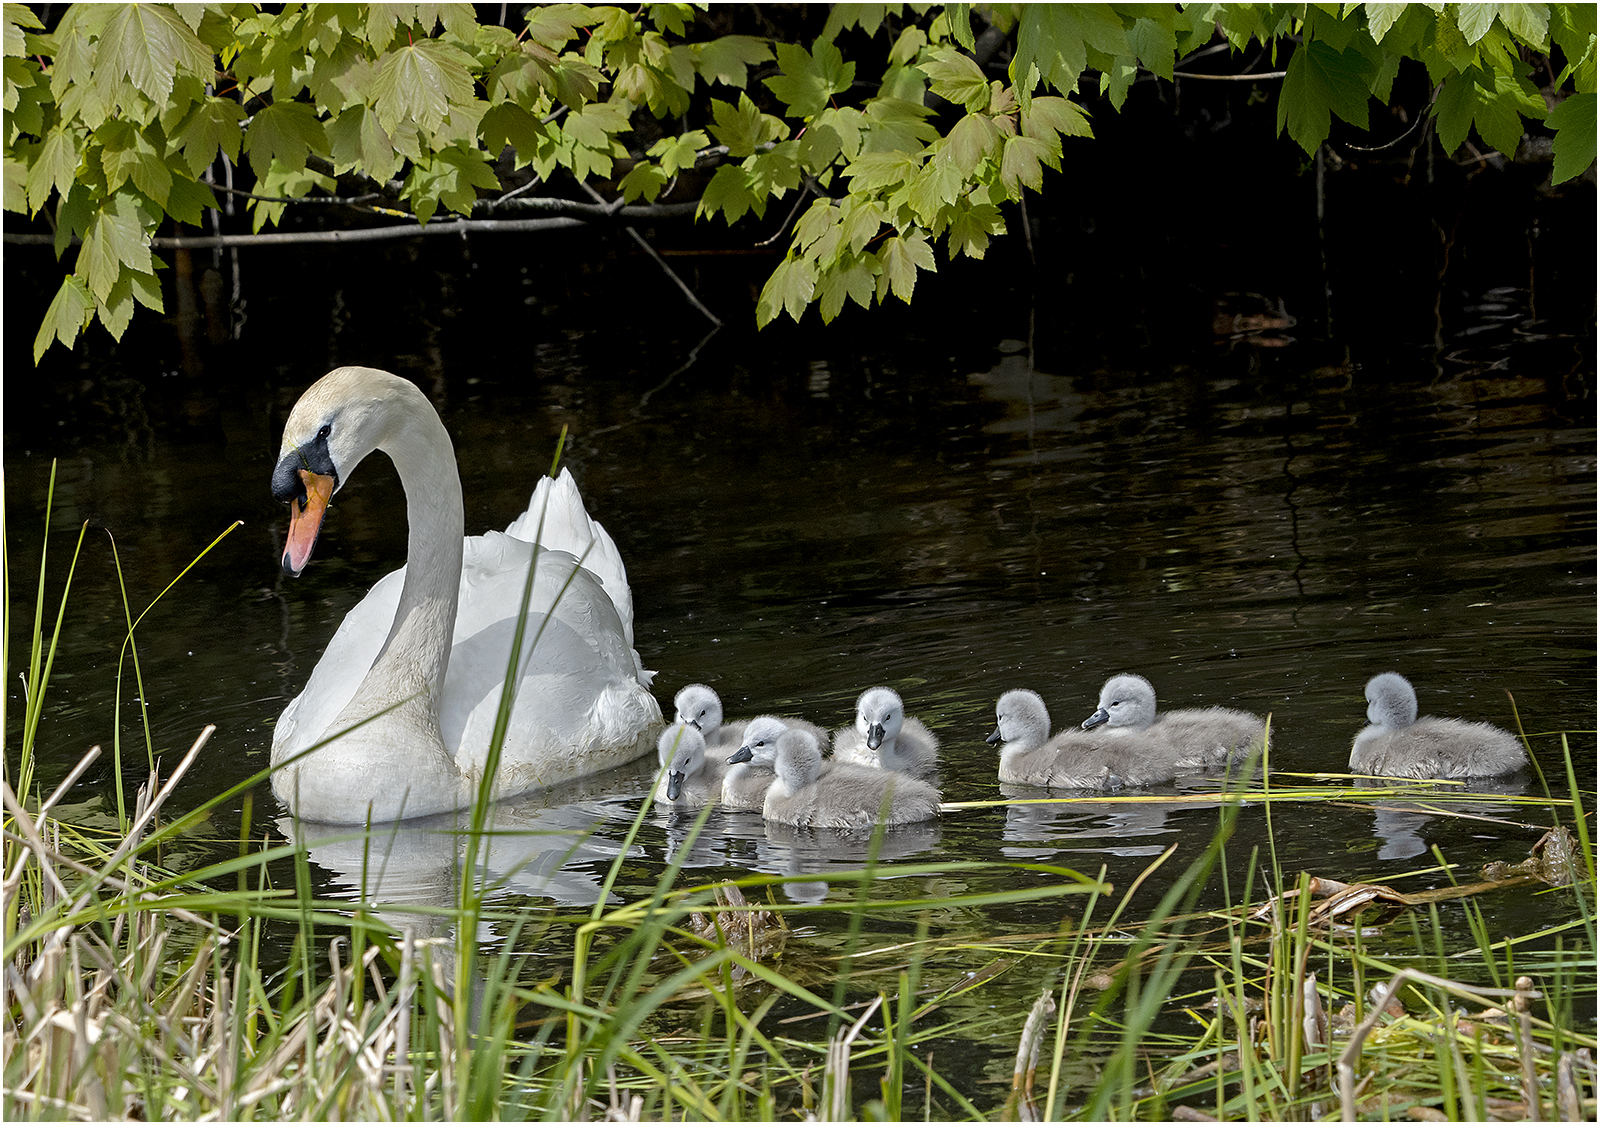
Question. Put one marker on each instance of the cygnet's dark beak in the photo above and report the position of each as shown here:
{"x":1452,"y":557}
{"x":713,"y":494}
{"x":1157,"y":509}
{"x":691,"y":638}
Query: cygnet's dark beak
{"x":740,"y":755}
{"x":1094,"y":720}
{"x":674,"y":784}
{"x":695,"y":723}
{"x":993,"y":738}
{"x":874,"y":736}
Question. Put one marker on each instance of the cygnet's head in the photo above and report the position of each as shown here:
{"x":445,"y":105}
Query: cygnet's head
{"x":1127,"y":702}
{"x":682,"y":750}
{"x":1391,"y":701}
{"x":761,"y":736}
{"x":1020,"y":716}
{"x":699,"y":706}
{"x":798,"y":761}
{"x":880,"y":715}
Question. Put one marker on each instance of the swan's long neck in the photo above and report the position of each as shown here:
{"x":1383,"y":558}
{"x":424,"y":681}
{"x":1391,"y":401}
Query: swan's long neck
{"x":417,"y":652}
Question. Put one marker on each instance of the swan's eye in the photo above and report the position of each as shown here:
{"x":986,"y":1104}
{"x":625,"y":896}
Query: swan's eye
{"x":327,"y":428}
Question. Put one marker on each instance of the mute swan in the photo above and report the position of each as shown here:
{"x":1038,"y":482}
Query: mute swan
{"x":1198,"y":739}
{"x":884,"y":737}
{"x":809,"y":793}
{"x":750,"y":768}
{"x":1073,"y":759}
{"x":429,"y":645}
{"x":1398,"y":744}
{"x":693,"y":778}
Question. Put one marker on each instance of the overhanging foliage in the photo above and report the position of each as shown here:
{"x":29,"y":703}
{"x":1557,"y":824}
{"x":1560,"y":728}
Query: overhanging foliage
{"x":117,"y":118}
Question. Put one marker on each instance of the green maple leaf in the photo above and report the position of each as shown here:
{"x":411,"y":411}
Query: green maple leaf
{"x":956,"y":78}
{"x":1574,"y":123}
{"x":789,"y":289}
{"x":810,"y":79}
{"x":901,"y":257}
{"x":188,"y":202}
{"x":743,"y":127}
{"x":212,"y":127}
{"x":1320,"y":79}
{"x":356,"y":140}
{"x":115,"y":239}
{"x":729,"y":59}
{"x":974,"y":139}
{"x":970,"y":228}
{"x":422,"y":81}
{"x":680,"y":152}
{"x":1020,"y":164}
{"x":727,"y":192}
{"x":54,"y":167}
{"x":510,"y":124}
{"x":67,"y":316}
{"x":148,"y":44}
{"x":286,"y":132}
{"x":643,"y":180}
{"x":856,"y":279}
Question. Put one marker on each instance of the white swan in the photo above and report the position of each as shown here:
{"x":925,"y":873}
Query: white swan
{"x":426,"y":650}
{"x":883,"y":736}
{"x":810,"y":793}
{"x":1201,"y":738}
{"x":751,"y":767}
{"x":1398,"y":744}
{"x":692,"y":778}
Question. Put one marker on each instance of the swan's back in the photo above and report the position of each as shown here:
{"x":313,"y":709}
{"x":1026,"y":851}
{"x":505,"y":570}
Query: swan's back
{"x":1398,"y":744}
{"x":1211,"y":737}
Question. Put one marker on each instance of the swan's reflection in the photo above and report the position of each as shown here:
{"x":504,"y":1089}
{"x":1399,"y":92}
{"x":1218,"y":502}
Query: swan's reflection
{"x":1400,"y":824}
{"x":531,"y":846}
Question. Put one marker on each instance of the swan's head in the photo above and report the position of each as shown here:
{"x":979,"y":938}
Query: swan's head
{"x":682,"y":752}
{"x":1391,"y":701}
{"x":798,"y":760}
{"x":879,"y":715}
{"x":761,"y":736}
{"x":344,"y":416}
{"x":1020,"y":717}
{"x":1127,"y":702}
{"x":699,"y":706}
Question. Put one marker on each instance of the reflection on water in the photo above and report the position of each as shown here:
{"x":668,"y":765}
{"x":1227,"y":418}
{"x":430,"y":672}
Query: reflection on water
{"x":1402,"y":825}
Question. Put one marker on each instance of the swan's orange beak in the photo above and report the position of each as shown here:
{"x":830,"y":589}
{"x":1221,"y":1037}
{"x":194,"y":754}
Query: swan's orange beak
{"x":304,"y":524}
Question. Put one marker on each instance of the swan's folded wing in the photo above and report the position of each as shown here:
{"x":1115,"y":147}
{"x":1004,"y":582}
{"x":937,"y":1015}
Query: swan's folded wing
{"x":580,"y":706}
{"x":567,"y":526}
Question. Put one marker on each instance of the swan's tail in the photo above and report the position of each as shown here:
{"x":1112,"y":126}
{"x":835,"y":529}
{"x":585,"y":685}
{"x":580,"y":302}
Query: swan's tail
{"x":568,"y":527}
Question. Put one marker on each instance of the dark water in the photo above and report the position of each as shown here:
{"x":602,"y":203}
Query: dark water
{"x":1038,"y":477}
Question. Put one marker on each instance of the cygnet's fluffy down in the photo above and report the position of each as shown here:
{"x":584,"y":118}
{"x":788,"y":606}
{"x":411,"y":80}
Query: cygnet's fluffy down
{"x":1398,"y":744}
{"x":751,"y":767}
{"x":1073,"y":759}
{"x":810,"y":793}
{"x":701,"y":707}
{"x":885,"y":737}
{"x":693,"y":778}
{"x":1198,"y":739}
